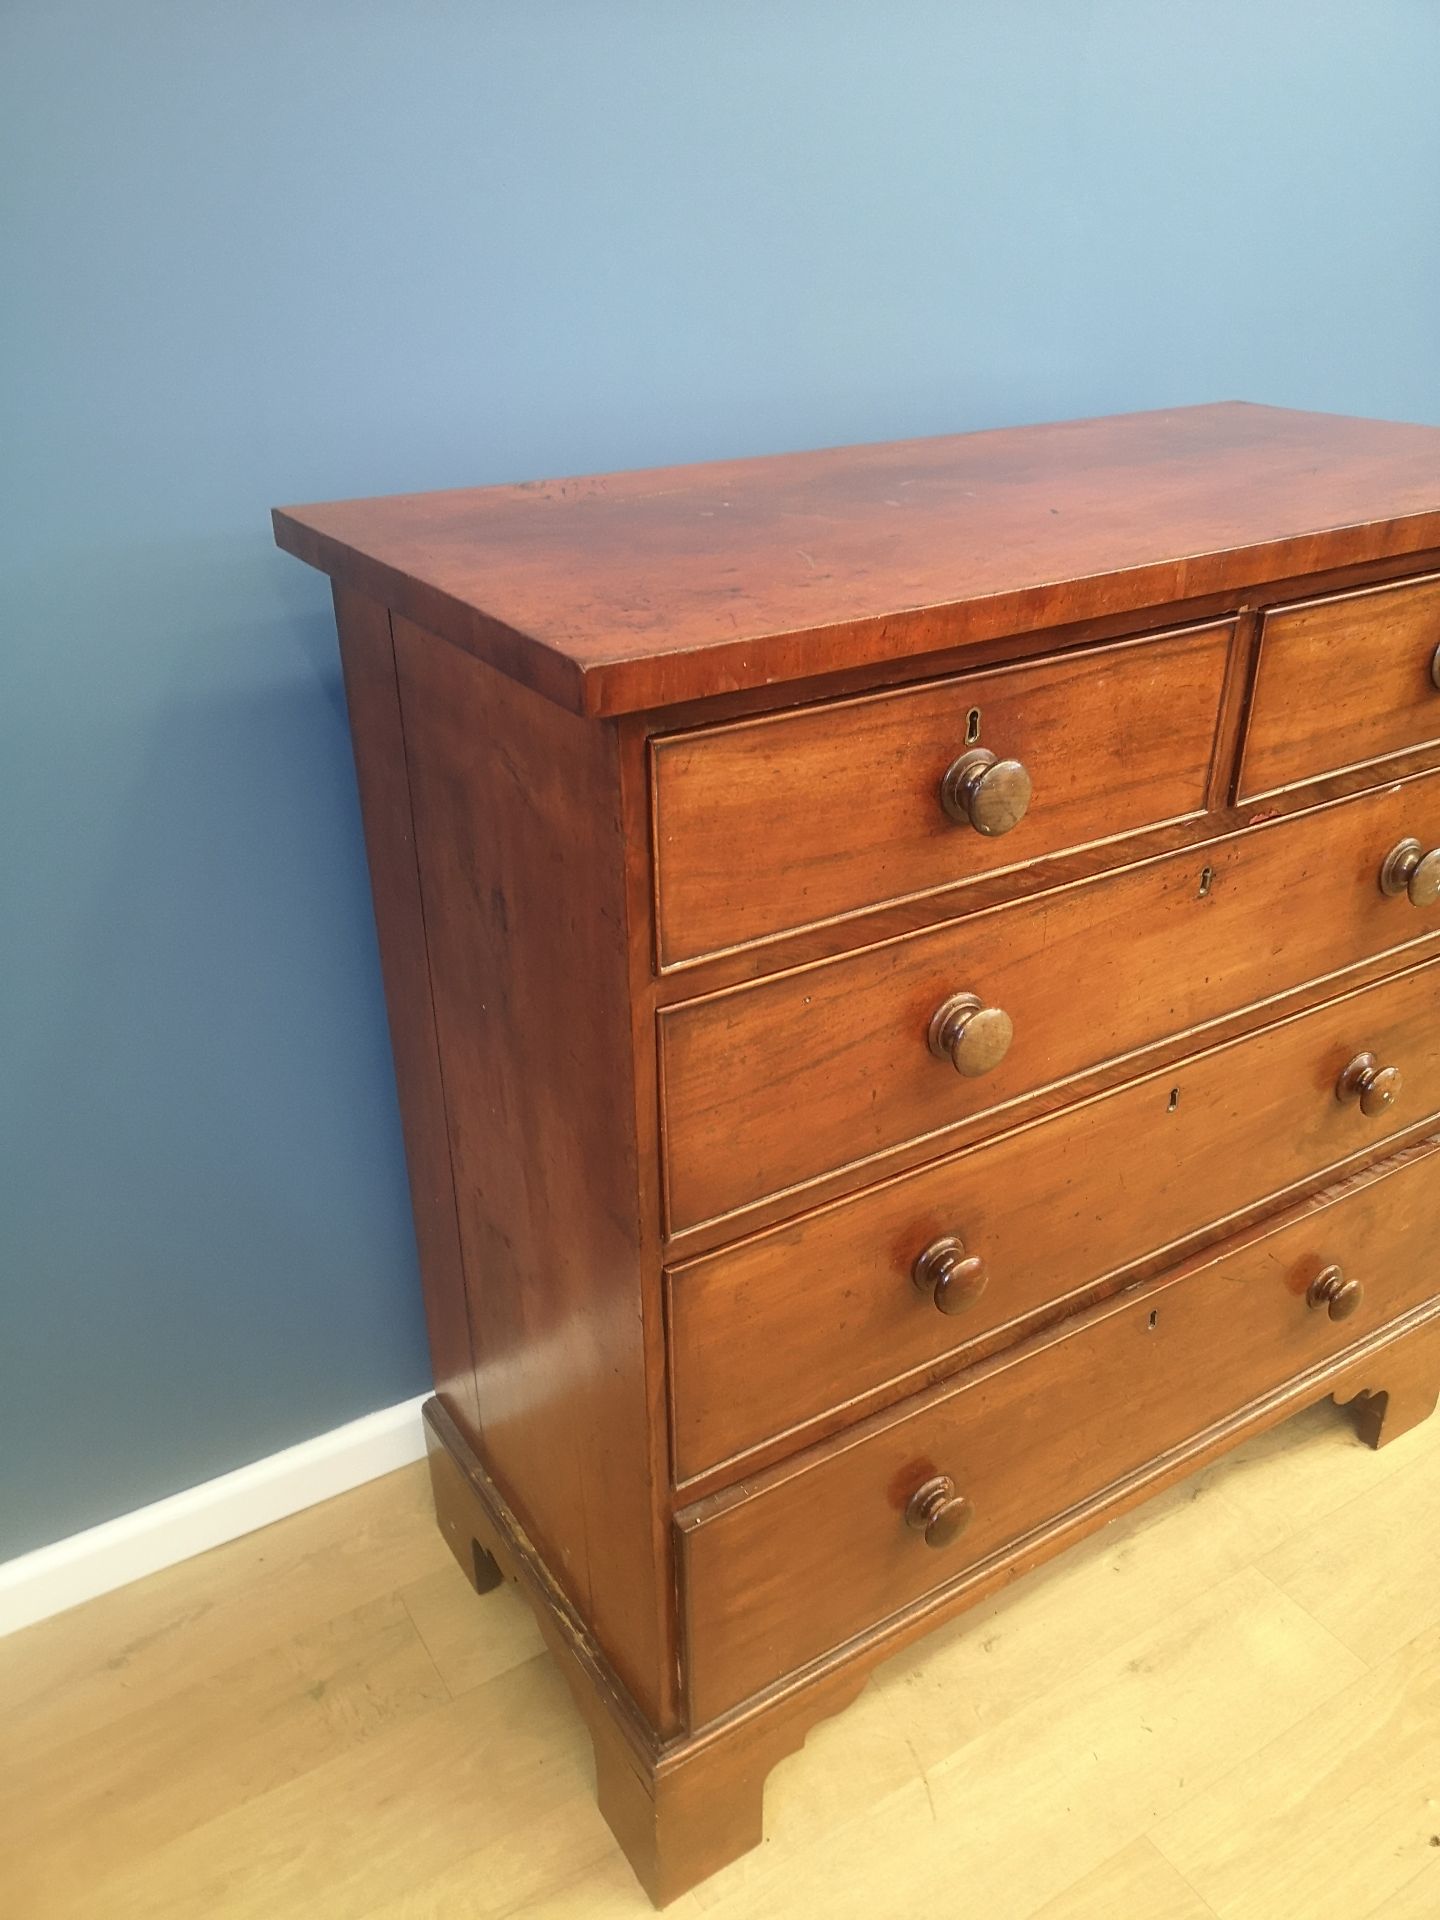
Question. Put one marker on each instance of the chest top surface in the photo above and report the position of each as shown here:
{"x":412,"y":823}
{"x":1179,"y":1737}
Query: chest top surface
{"x":631,"y":591}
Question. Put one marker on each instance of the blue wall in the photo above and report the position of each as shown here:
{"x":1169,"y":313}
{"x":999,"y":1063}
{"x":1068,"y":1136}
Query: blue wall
{"x":272,"y":252}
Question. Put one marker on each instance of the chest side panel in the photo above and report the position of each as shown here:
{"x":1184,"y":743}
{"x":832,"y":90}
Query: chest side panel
{"x":521,"y":852}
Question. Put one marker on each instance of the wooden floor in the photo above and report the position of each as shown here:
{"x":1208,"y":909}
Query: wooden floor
{"x":1226,"y":1707}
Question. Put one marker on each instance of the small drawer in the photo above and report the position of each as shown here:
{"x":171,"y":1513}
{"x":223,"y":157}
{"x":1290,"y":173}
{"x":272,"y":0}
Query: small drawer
{"x":775,"y":1331}
{"x":771,"y":1086}
{"x":796,"y":1561}
{"x":794,"y":818}
{"x":1342,"y":682}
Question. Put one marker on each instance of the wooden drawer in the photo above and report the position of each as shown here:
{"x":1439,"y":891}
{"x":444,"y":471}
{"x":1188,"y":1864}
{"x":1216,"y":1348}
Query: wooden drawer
{"x":779,"y":1082}
{"x":795,"y":1562}
{"x":793,"y":818}
{"x":769,"y":1334}
{"x":1341,"y":682}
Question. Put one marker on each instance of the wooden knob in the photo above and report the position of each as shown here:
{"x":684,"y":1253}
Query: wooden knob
{"x":987,"y":794}
{"x":1376,"y":1088}
{"x":1408,"y":869}
{"x":938,"y":1511}
{"x":954,"y":1279}
{"x":971,"y":1036}
{"x":1337,"y":1295}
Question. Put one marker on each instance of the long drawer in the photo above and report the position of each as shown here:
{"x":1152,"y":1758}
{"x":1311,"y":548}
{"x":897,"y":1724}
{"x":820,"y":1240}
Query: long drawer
{"x":793,"y":1563}
{"x":772,"y":1332}
{"x":778,"y":822}
{"x":778,"y":1083}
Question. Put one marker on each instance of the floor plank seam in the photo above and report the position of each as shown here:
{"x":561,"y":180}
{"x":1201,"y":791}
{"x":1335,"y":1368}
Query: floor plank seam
{"x":1148,"y":1839}
{"x":1341,"y":1645}
{"x":450,"y":1693}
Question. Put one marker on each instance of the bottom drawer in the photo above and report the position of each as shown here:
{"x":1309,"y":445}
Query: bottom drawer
{"x":799,"y":1559}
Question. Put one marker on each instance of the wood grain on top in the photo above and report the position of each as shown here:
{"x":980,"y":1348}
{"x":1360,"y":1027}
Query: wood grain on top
{"x":641,"y":590}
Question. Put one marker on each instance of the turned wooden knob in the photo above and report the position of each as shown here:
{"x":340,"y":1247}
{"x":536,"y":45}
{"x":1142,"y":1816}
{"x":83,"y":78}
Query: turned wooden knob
{"x":971,"y":1036}
{"x":1376,"y":1088}
{"x":938,"y":1511}
{"x":987,"y":794}
{"x":1410,"y":870}
{"x":953,"y":1278}
{"x":1337,"y":1295}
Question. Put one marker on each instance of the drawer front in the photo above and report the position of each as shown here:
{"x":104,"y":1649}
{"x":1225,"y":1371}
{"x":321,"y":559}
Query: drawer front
{"x":775,"y":1084}
{"x":780,"y":1329}
{"x":789,"y":819}
{"x":821,"y":1550}
{"x":1341,"y":682}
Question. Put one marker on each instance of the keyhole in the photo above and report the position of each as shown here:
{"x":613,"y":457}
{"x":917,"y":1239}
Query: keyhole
{"x":1174,"y":1099}
{"x":1207,"y":875}
{"x":972,"y":726}
{"x":1154,"y":1316}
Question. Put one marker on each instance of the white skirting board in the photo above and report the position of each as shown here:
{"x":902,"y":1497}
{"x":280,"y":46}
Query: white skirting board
{"x":111,"y":1555}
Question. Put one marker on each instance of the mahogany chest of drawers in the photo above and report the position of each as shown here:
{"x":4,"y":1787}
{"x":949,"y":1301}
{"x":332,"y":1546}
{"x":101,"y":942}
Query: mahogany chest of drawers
{"x":914,"y":974}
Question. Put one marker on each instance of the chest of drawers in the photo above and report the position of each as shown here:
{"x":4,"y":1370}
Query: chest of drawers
{"x":914,"y":974}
